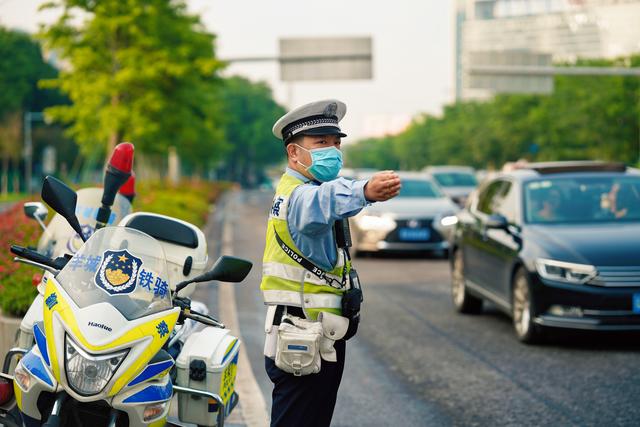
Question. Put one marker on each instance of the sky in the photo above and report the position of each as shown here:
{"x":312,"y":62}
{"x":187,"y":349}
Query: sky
{"x":413,"y":69}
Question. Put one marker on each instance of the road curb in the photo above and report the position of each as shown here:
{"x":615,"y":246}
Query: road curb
{"x":254,"y":407}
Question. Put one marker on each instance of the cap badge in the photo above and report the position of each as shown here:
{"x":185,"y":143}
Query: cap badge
{"x":330,"y":110}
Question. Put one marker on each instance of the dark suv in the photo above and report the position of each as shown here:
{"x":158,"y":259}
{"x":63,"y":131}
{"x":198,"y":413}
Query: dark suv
{"x":553,"y":245}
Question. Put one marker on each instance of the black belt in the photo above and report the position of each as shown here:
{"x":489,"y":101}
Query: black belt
{"x":295,"y":311}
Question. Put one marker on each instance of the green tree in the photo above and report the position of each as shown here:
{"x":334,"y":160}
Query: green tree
{"x":21,"y":67}
{"x":138,"y":70}
{"x":375,"y":153}
{"x":584,"y":118}
{"x":591,"y":117}
{"x":250,"y":114}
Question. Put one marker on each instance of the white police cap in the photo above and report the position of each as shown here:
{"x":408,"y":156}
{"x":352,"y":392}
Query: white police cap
{"x":316,"y":118}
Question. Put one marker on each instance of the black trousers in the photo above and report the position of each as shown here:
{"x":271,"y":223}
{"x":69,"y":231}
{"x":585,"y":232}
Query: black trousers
{"x":305,"y":401}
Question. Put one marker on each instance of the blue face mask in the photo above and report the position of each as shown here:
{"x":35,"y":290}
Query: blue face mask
{"x":325,"y":163}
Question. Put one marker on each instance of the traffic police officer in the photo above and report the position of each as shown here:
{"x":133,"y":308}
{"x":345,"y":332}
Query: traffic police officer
{"x":304,"y":271}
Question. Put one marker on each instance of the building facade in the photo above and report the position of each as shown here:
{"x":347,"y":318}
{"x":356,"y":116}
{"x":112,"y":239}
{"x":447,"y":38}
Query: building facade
{"x":537,"y":32}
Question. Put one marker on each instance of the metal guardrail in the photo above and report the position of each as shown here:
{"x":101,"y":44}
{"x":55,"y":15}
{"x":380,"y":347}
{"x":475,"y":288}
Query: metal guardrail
{"x":527,"y":70}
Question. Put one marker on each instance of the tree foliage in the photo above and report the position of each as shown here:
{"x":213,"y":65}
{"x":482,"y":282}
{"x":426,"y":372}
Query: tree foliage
{"x":137,"y":70}
{"x":590,"y":117}
{"x":21,"y":67}
{"x":250,"y":112}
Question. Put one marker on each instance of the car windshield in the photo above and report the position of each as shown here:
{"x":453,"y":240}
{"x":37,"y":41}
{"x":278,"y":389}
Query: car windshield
{"x":419,"y":188}
{"x":121,"y":266}
{"x":455,"y":179}
{"x":584,"y":199}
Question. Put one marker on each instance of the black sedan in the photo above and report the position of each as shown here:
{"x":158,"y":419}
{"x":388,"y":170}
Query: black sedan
{"x":552,"y":245}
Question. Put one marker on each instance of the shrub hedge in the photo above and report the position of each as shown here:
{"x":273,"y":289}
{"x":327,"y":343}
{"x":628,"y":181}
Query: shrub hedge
{"x":17,"y":281}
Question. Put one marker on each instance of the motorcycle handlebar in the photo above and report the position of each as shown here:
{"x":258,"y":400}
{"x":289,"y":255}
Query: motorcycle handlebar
{"x":34,"y":256}
{"x":202,"y":318}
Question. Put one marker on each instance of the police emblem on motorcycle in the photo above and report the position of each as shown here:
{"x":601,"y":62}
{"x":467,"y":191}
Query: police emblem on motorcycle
{"x":118,"y":272}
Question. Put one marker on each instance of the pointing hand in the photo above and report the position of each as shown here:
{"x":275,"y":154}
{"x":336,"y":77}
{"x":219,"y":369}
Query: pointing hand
{"x":382,"y":186}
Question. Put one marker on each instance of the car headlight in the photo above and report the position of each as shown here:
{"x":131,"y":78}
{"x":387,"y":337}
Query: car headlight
{"x":375,"y":222}
{"x":565,"y":271}
{"x":449,"y":220}
{"x":88,"y":374}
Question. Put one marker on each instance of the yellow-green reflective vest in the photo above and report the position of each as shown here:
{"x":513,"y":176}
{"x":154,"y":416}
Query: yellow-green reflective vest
{"x":282,"y":276}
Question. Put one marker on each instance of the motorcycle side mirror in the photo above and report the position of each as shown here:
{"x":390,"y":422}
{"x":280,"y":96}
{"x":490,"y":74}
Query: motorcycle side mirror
{"x":37,"y":211}
{"x":63,"y":200}
{"x":226,"y":269}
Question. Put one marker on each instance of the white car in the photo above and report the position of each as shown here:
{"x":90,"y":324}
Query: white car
{"x":407,"y":222}
{"x":457,"y":182}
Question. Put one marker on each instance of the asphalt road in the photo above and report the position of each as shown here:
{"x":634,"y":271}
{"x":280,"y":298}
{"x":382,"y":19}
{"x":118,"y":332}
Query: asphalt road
{"x":415,"y":362}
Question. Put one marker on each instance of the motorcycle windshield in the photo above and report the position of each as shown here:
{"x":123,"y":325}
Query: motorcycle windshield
{"x":59,"y":238}
{"x":122,"y":266}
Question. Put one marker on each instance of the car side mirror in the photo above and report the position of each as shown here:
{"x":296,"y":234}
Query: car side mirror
{"x":63,"y":200}
{"x":497,"y":221}
{"x":226,"y":269}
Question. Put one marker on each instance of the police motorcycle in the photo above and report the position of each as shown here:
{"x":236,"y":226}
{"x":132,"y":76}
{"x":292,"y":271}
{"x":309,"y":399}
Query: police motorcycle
{"x":96,"y":208}
{"x":101,"y":350}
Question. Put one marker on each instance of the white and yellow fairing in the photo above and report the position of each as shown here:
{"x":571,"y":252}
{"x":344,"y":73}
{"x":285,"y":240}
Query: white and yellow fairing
{"x":102,"y":307}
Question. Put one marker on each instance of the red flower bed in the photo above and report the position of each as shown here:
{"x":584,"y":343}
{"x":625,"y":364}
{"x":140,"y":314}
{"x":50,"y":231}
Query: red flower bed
{"x":17,"y":290}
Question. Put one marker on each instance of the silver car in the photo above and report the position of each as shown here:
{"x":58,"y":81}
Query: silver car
{"x":405,"y":223}
{"x":457,"y":182}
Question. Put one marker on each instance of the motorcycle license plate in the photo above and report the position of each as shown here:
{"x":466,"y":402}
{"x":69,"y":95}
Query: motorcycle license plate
{"x":227,"y":384}
{"x":414,"y":234}
{"x":636,"y":303}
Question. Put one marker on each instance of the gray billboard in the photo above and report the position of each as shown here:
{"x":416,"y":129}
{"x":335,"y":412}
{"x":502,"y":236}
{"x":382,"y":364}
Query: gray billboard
{"x":330,"y":58}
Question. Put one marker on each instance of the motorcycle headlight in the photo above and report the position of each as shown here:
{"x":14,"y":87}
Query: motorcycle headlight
{"x":565,"y":271}
{"x":88,"y":374}
{"x":375,"y":222}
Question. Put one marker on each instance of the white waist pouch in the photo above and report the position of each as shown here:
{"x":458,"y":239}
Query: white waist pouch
{"x":298,"y":350}
{"x":302,"y":344}
{"x":334,"y":328}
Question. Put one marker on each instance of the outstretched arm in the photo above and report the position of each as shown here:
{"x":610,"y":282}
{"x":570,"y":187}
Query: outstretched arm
{"x":314,"y":208}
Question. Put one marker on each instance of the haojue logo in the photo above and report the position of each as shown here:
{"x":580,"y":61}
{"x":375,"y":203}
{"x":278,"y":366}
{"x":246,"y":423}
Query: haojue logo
{"x":100,"y":325}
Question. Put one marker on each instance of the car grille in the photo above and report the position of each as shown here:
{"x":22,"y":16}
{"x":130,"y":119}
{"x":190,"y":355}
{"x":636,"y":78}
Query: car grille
{"x":617,"y":277}
{"x":434,"y":236}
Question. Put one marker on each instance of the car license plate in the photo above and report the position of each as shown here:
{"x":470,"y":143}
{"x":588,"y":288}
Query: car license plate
{"x":413,"y":234}
{"x":636,"y":303}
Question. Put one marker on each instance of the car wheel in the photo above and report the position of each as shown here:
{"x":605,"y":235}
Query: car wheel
{"x":524,"y":310}
{"x":462,"y":300}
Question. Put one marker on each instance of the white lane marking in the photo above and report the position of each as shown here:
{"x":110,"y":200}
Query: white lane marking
{"x":254,"y":407}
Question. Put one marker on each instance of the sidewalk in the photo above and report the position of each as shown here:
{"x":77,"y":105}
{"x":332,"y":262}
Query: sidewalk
{"x":221,"y":300}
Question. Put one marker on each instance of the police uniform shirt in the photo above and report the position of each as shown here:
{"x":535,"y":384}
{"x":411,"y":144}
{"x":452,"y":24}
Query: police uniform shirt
{"x":313,"y":209}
